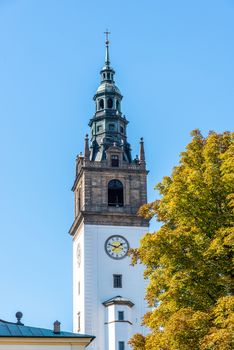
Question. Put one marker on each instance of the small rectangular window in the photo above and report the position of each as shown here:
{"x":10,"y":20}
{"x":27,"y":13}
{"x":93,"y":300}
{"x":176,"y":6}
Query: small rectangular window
{"x":99,"y":128}
{"x":78,"y":323}
{"x":120,"y":315}
{"x":121,"y":130}
{"x":117,"y":281}
{"x":121,"y":345}
{"x":114,"y":161}
{"x":112,"y":127}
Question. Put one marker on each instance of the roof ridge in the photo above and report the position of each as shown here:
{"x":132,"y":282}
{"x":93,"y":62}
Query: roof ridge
{"x":3,"y":321}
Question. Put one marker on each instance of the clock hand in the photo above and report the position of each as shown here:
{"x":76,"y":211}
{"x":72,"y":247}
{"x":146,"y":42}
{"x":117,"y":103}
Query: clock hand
{"x":119,"y":245}
{"x":113,"y":245}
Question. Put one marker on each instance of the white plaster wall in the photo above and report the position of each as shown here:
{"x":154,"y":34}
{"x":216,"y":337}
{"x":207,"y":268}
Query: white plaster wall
{"x":128,"y":312}
{"x":96,"y":275}
{"x":123,"y":332}
{"x":111,"y":313}
{"x":119,"y":331}
{"x":41,"y":347}
{"x":111,"y":336}
{"x":78,"y":275}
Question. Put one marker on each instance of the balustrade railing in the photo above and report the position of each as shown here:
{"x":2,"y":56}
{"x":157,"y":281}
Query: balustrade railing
{"x":110,"y":208}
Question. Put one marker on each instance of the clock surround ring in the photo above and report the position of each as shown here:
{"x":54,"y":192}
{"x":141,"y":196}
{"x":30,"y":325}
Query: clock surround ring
{"x":117,"y":257}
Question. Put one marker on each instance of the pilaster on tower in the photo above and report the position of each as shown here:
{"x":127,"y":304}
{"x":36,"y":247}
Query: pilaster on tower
{"x":87,"y":151}
{"x":142,"y":151}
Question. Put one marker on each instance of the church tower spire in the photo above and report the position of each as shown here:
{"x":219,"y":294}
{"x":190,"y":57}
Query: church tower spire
{"x":107,"y":73}
{"x":108,"y":124}
{"x":109,"y":189}
{"x":107,"y":58}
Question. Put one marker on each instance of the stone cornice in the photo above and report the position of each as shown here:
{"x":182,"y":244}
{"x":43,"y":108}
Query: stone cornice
{"x":107,"y":219}
{"x":30,"y":340}
{"x":98,"y":166}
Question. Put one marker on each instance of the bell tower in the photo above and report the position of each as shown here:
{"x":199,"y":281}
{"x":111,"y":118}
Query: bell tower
{"x":109,"y":188}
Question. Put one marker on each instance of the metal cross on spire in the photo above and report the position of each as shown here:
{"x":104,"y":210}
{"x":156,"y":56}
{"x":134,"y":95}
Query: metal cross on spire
{"x":107,"y":36}
{"x":107,"y":58}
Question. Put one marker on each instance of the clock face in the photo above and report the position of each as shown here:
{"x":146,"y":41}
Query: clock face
{"x":78,"y":255}
{"x":116,"y":247}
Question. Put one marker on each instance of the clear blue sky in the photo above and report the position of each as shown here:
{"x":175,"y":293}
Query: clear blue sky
{"x":174,"y":66}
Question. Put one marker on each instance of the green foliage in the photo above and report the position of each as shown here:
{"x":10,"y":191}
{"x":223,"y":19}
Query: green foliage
{"x":189,"y":259}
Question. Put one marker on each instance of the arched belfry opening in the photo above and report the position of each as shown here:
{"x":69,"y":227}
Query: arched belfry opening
{"x":101,"y":104}
{"x":109,"y":103}
{"x":115,"y":193}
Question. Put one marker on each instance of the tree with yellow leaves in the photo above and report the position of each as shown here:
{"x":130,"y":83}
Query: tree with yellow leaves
{"x":189,"y":259}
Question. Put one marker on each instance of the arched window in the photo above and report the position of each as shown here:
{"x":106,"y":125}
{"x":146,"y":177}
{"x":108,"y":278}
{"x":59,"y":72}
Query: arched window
{"x":112,"y":127}
{"x":109,"y":103}
{"x":114,"y":160}
{"x":117,"y":105}
{"x":101,"y":104}
{"x":79,"y":200}
{"x":115,"y":193}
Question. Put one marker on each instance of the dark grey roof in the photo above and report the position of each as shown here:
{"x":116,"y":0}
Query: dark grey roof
{"x":118,"y":300}
{"x":10,"y":329}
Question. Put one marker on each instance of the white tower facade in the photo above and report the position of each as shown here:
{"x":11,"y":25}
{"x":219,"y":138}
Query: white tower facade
{"x":109,"y":188}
